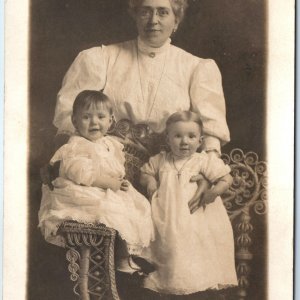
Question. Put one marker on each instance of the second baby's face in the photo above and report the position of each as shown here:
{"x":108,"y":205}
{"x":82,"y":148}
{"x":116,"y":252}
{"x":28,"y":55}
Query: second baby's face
{"x":184,"y":138}
{"x":93,"y":122}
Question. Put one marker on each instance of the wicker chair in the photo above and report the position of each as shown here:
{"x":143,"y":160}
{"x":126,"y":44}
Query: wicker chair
{"x":90,"y":250}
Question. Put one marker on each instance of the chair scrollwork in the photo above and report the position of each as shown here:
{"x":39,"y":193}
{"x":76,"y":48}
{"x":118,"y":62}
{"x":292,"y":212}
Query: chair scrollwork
{"x":91,"y":246}
{"x":246,"y":199}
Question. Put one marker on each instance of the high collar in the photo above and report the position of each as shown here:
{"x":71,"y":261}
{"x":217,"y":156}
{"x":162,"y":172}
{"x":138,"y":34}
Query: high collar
{"x":144,"y":48}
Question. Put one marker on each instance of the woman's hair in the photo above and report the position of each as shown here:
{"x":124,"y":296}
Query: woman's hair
{"x":184,"y":116}
{"x":178,"y":6}
{"x":87,"y":98}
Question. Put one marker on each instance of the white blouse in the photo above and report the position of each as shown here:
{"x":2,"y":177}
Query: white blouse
{"x":147,"y":85}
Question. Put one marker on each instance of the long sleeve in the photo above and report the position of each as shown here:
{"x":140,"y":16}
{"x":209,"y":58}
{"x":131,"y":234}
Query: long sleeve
{"x":207,"y":99}
{"x":87,"y":72}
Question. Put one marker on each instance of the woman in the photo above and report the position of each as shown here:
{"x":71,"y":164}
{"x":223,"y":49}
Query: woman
{"x":148,"y":78}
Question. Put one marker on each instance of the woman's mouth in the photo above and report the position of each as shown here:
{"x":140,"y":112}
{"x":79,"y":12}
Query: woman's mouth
{"x":149,"y":30}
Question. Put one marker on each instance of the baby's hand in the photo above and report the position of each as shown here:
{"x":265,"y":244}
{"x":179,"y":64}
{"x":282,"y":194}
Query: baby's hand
{"x":151,"y":188}
{"x":115,"y":184}
{"x":125,"y":185}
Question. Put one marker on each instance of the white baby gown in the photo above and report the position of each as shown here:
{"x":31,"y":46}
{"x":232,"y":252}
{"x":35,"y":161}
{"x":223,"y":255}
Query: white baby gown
{"x":73,"y":197}
{"x":192,"y":252}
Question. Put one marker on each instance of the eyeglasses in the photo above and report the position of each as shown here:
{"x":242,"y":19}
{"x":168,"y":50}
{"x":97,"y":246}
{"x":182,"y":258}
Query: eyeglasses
{"x":147,"y":12}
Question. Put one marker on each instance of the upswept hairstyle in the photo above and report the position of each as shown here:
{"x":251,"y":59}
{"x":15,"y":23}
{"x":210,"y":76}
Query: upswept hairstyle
{"x":184,"y":116}
{"x":87,"y":98}
{"x":178,"y":6}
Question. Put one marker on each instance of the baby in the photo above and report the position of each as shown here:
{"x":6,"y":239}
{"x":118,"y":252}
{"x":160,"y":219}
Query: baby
{"x":91,"y":185}
{"x":193,"y":250}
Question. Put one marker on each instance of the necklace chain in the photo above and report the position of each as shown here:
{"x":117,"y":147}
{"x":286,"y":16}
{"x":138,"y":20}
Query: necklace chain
{"x":105,"y":145}
{"x":158,"y":84}
{"x":180,"y":169}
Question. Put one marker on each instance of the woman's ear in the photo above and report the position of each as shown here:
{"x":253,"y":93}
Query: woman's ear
{"x":176,"y":24}
{"x":175,"y":27}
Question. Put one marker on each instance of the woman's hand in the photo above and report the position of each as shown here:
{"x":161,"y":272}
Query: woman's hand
{"x":209,"y":197}
{"x":204,"y":199}
{"x":198,"y":178}
{"x":195,"y":203}
{"x":197,"y":200}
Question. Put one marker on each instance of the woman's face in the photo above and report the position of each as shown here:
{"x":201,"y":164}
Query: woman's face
{"x":155,"y":21}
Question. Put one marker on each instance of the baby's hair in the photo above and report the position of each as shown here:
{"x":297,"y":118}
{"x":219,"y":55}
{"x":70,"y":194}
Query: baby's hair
{"x":184,"y":116}
{"x":87,"y":98}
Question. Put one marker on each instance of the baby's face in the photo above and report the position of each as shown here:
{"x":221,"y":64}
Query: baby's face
{"x":184,"y":138}
{"x":92,"y":123}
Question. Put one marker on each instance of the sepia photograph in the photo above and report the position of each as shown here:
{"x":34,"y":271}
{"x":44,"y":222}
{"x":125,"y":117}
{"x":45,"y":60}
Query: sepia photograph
{"x":147,"y":152}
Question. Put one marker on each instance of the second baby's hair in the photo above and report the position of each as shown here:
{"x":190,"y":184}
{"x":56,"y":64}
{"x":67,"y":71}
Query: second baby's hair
{"x":184,"y":116}
{"x":87,"y":98}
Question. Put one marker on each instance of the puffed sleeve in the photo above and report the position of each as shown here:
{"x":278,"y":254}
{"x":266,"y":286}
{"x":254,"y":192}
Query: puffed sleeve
{"x":77,"y":168}
{"x":213,"y":168}
{"x":87,"y":72}
{"x":207,"y":99}
{"x":153,"y":166}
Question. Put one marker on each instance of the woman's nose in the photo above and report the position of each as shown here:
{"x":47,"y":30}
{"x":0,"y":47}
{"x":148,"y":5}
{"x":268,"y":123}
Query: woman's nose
{"x":153,"y":17}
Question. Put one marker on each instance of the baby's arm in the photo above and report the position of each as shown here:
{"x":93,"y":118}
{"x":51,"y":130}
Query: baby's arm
{"x":149,"y":173}
{"x":108,"y":182}
{"x":220,"y":187}
{"x":81,"y":171}
{"x":150,"y":183}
